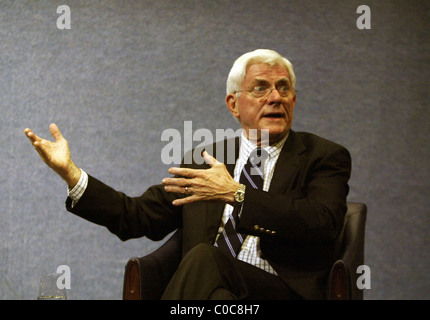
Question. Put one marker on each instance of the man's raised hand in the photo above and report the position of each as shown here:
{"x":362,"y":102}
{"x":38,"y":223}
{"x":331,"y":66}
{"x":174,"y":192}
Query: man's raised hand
{"x":56,"y":154}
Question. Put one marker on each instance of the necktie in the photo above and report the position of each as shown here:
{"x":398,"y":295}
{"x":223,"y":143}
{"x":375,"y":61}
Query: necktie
{"x":252,"y":176}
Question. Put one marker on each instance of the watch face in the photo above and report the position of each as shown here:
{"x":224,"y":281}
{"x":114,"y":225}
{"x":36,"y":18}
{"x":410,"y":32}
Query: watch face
{"x":240,"y":194}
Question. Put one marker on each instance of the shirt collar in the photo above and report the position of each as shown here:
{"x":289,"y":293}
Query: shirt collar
{"x":247,"y":146}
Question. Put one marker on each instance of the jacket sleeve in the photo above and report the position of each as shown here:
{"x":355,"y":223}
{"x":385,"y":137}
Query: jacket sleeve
{"x":151,"y":215}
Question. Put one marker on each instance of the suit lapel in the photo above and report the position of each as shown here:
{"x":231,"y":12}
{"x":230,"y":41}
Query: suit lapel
{"x":288,"y":164}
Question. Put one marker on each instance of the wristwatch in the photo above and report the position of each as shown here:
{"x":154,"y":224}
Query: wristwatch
{"x":239,"y":195}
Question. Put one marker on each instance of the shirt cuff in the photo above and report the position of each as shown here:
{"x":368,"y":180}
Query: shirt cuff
{"x":76,"y":193}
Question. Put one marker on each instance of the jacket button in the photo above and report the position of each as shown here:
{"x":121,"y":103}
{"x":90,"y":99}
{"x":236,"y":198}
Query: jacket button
{"x":256,"y":227}
{"x":262,"y":230}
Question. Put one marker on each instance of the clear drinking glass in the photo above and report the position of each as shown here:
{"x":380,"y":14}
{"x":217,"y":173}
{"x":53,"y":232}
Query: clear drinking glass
{"x":48,"y":289}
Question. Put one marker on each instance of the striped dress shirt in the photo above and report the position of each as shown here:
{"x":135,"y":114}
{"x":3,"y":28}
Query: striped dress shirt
{"x":250,"y":251}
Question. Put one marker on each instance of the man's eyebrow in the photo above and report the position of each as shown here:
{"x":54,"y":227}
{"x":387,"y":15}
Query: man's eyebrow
{"x":262,"y":81}
{"x":283,"y":80}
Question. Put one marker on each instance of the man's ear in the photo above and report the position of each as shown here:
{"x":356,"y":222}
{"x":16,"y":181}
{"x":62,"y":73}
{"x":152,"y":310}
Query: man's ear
{"x":231,"y":102}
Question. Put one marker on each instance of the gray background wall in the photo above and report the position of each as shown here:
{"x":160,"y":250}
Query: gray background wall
{"x":127,"y":70}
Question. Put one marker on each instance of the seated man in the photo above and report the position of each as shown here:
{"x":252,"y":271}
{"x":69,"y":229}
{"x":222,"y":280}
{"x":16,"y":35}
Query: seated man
{"x":263,"y":227}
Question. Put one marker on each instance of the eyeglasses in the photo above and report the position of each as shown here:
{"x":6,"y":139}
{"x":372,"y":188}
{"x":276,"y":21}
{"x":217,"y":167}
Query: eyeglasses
{"x":263,"y":91}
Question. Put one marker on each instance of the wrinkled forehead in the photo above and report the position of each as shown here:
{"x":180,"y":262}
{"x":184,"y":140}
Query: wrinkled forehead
{"x":263,"y":72}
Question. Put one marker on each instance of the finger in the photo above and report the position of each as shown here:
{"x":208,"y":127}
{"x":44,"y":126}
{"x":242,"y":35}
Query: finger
{"x":185,"y":172}
{"x":55,"y":132}
{"x":182,"y":182}
{"x":209,"y":159}
{"x":190,"y":199}
{"x":31,"y":136}
{"x":178,"y":189}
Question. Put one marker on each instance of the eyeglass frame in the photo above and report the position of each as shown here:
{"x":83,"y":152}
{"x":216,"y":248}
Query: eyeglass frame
{"x":267,"y":94}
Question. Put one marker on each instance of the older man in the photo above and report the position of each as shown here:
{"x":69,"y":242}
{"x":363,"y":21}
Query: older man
{"x":263,"y":227}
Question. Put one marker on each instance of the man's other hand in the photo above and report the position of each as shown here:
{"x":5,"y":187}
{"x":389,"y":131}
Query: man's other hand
{"x":213,"y":184}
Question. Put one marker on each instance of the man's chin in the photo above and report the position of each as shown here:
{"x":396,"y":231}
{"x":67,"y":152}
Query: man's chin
{"x":276,"y":135}
{"x":268,"y":138}
{"x":267,"y":135}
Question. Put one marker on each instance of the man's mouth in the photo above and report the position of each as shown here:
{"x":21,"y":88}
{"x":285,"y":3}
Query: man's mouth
{"x":274,"y":115}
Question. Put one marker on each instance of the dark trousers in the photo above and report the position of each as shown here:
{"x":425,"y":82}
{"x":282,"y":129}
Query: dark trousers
{"x":207,"y":273}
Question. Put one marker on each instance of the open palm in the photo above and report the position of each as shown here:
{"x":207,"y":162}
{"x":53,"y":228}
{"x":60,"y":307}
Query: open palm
{"x":55,"y":154}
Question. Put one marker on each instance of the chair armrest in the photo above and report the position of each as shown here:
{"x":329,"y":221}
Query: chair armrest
{"x":343,"y":277}
{"x":339,"y":282}
{"x":147,"y":277}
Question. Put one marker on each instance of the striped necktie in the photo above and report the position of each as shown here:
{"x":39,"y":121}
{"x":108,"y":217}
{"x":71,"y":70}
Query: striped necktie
{"x":252,"y":176}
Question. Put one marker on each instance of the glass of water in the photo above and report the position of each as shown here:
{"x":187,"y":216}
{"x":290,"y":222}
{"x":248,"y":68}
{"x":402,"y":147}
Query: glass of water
{"x":49,"y":288}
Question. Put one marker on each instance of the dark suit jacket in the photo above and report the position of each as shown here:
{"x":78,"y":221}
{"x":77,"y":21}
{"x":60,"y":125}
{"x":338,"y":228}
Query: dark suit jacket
{"x":297,"y":220}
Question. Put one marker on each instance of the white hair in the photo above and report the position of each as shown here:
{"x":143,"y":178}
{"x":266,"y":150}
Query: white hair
{"x":238,"y":71}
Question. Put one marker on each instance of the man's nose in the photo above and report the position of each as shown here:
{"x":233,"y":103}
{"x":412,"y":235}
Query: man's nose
{"x":273,"y":96}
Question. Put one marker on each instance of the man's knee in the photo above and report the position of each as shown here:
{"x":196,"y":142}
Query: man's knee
{"x":201,"y":250}
{"x":205,"y":258}
{"x":197,"y":276}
